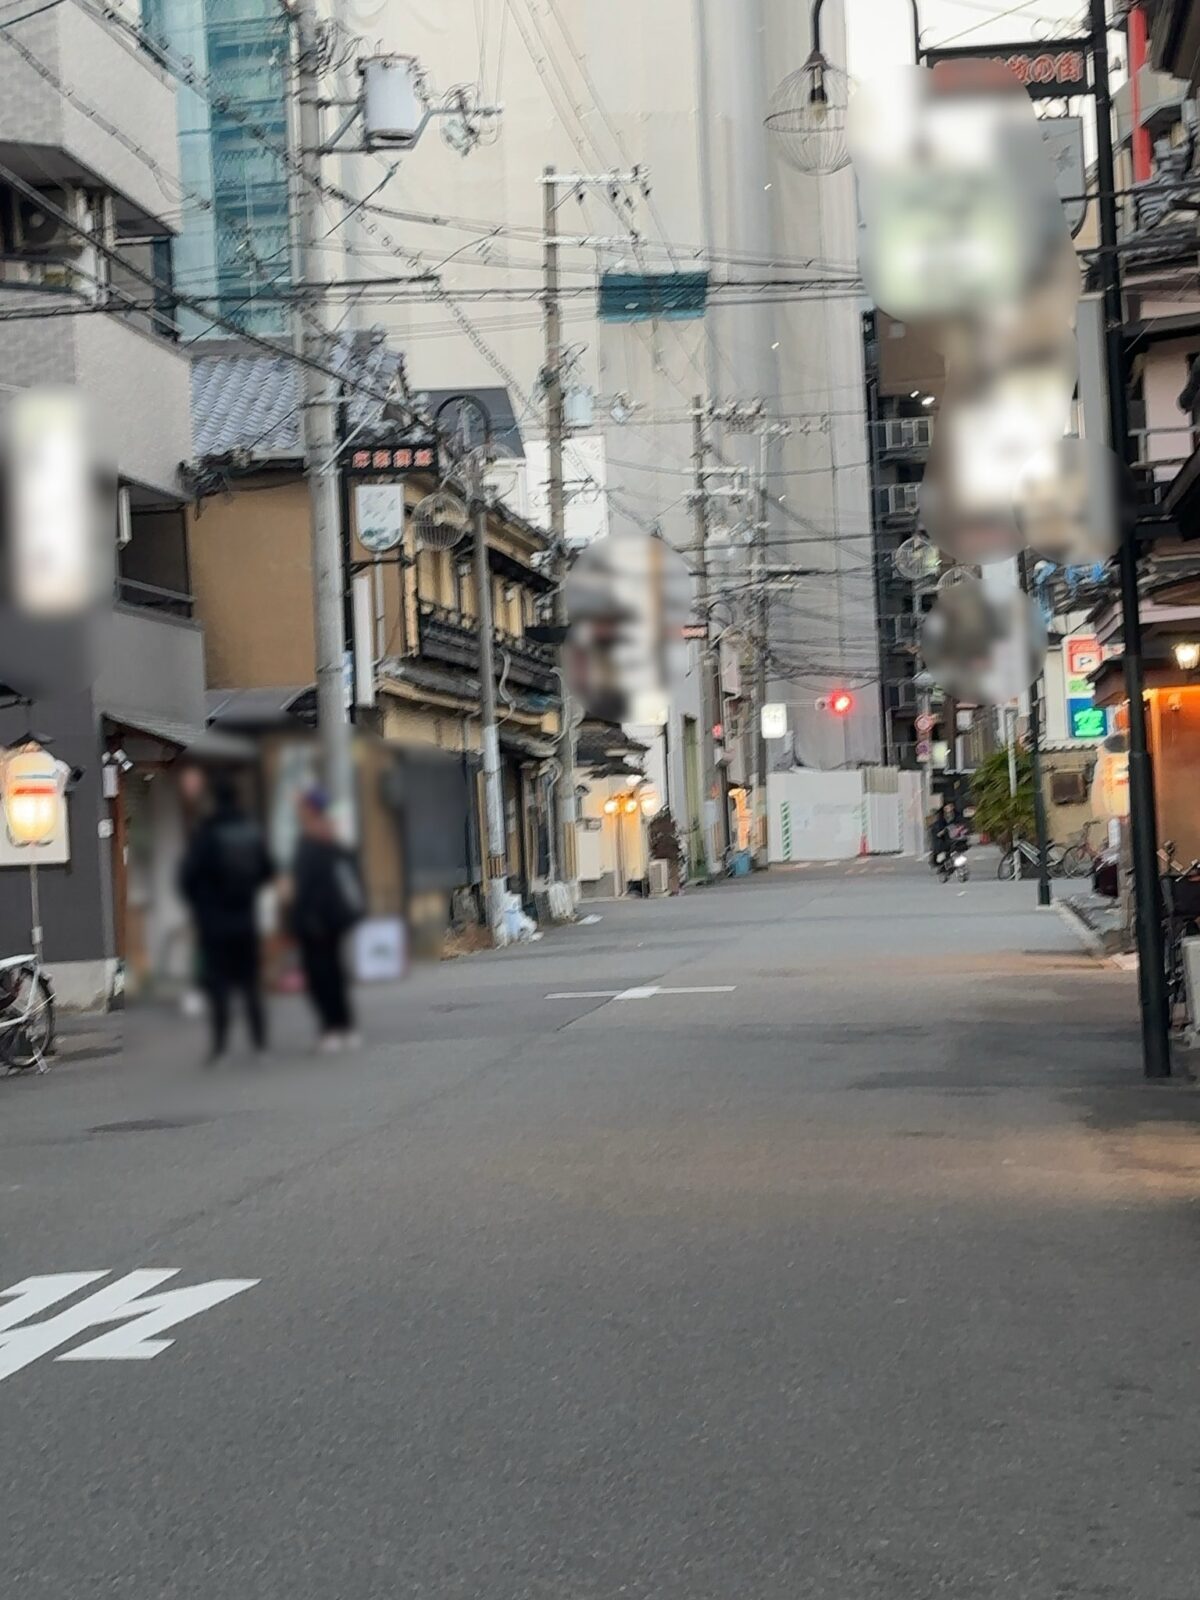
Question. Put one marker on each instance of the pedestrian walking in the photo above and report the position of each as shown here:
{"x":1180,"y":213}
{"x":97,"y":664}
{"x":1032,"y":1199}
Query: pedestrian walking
{"x":326,"y":901}
{"x":224,"y":868}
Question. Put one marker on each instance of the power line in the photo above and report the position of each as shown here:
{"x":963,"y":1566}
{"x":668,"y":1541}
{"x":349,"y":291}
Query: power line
{"x":272,"y":348}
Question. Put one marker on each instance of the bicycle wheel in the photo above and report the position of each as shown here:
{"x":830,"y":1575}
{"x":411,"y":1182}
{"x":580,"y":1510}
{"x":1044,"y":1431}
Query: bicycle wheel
{"x":27,"y":1024}
{"x":1076,"y":862}
{"x":1007,"y":870}
{"x":1055,"y":855}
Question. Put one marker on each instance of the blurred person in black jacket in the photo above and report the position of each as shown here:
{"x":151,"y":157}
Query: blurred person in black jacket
{"x":225,"y":866}
{"x":326,"y":901}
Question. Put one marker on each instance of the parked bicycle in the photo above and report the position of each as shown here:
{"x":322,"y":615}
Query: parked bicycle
{"x":1024,"y":860}
{"x":1180,"y":890}
{"x":26,"y":1014}
{"x":1081,"y":855}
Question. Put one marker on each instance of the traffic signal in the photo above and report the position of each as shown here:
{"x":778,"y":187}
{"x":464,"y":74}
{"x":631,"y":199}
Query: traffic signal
{"x":841,"y":703}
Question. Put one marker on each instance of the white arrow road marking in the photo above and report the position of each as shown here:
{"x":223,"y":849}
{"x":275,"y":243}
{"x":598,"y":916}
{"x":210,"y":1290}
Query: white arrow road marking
{"x":642,"y":991}
{"x":125,"y":1298}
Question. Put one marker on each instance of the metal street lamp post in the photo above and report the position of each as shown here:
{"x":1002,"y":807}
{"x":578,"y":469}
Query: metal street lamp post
{"x":808,"y":110}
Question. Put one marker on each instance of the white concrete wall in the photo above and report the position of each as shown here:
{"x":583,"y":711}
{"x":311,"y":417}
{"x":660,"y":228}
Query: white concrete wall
{"x":680,"y":86}
{"x":109,"y":73}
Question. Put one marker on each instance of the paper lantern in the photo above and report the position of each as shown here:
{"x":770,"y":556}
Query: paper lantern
{"x":33,"y":794}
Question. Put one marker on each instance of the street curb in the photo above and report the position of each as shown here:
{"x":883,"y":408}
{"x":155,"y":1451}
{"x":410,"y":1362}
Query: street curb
{"x":1087,"y":937}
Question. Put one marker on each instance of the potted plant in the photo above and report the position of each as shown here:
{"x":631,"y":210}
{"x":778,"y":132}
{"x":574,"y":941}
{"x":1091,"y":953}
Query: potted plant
{"x":999,"y":813}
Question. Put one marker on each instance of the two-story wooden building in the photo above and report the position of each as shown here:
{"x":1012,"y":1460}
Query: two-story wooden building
{"x":420,"y":791}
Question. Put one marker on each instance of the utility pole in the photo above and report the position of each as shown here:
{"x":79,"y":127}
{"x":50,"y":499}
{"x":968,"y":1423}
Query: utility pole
{"x":565,"y":851}
{"x":1035,"y":756}
{"x":1156,"y":1047}
{"x":311,"y":336}
{"x":497,"y":839}
{"x":708,"y":759}
{"x":761,"y":852}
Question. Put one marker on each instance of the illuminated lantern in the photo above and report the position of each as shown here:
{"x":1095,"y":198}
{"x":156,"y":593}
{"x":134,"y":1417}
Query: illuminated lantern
{"x":33,"y":794}
{"x":841,"y":703}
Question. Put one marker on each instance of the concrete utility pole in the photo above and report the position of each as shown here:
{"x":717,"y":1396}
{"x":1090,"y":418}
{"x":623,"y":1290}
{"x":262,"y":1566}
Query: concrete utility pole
{"x":708,"y":698}
{"x":312,"y":339}
{"x":1156,"y":1045}
{"x":497,"y":837}
{"x":760,"y":664}
{"x":565,"y":851}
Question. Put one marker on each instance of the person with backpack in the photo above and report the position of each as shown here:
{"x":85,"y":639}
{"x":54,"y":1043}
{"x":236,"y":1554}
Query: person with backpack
{"x":223,"y":870}
{"x":326,"y":901}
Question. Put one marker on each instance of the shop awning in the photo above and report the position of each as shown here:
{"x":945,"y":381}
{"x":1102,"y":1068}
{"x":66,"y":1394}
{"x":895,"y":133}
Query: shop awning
{"x":209,"y":744}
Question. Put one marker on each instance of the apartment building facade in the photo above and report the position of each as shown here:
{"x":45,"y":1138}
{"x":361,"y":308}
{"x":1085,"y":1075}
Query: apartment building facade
{"x":89,"y":201}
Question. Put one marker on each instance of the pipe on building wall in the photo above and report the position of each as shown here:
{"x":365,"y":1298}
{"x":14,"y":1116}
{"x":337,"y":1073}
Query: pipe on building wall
{"x":1135,"y":34}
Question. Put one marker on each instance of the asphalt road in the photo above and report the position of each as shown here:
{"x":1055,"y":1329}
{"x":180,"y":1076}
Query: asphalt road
{"x":875,"y":1278}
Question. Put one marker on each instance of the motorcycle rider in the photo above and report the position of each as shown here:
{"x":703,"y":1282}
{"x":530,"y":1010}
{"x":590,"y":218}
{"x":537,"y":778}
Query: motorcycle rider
{"x":948,"y":835}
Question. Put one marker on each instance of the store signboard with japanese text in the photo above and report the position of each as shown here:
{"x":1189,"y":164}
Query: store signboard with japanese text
{"x":1082,"y":655}
{"x":1049,"y":70}
{"x":419,"y":455}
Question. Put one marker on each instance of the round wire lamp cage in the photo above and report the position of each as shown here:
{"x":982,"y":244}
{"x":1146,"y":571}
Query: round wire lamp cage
{"x":440,"y":520}
{"x":807,"y":115}
{"x":916,"y":560}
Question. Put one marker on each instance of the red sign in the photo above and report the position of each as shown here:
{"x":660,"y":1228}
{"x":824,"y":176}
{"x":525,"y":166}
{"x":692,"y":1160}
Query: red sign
{"x":392,"y":458}
{"x":1083,"y":655}
{"x":1048,"y":71}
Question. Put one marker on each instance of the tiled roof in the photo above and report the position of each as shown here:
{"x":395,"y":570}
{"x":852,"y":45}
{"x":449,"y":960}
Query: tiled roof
{"x":245,"y":399}
{"x":261,"y":708}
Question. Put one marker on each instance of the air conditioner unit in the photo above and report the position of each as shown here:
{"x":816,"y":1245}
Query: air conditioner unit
{"x":40,"y":230}
{"x":659,"y":876}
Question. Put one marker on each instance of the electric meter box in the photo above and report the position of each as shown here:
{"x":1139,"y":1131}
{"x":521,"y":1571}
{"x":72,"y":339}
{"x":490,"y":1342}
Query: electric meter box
{"x":393,"y":113}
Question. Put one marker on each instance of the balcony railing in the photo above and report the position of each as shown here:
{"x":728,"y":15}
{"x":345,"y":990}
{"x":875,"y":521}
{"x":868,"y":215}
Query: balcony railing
{"x":452,"y":637}
{"x":150,"y":597}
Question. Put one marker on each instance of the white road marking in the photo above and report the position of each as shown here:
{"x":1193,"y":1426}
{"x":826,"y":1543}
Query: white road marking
{"x":642,"y":991}
{"x":125,"y":1298}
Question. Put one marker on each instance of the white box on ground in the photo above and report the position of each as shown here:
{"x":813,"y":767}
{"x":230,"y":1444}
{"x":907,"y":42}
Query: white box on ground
{"x":380,"y":950}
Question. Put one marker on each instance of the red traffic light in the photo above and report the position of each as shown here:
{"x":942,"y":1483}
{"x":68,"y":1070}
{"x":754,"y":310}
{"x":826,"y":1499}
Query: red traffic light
{"x":841,"y":703}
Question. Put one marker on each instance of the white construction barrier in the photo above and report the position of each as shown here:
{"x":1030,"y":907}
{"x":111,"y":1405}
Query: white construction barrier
{"x":835,"y":816}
